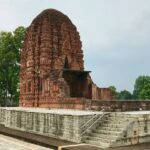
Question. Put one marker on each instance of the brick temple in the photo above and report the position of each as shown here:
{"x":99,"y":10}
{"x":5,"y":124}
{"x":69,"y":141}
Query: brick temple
{"x":52,"y":67}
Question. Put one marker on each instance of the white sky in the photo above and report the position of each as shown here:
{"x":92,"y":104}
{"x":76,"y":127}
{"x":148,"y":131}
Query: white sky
{"x":115,"y":34}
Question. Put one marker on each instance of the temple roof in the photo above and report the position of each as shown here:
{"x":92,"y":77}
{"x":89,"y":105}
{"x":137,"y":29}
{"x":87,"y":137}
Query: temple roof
{"x":53,"y":15}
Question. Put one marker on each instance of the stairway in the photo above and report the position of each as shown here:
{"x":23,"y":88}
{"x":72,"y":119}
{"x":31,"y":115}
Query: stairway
{"x":114,"y":127}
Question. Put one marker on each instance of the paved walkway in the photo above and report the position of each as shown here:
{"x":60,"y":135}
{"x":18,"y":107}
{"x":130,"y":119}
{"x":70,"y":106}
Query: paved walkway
{"x":9,"y":143}
{"x":145,"y":146}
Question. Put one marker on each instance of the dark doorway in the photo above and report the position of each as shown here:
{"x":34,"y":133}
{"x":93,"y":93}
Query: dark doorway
{"x":77,"y":81}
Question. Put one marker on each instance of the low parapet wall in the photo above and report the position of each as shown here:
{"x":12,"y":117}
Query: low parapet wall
{"x":97,"y":105}
{"x":120,"y":105}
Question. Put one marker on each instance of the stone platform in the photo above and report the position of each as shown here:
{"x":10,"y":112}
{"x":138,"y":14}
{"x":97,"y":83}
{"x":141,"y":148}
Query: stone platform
{"x":100,"y":129}
{"x":121,"y":129}
{"x":56,"y":123}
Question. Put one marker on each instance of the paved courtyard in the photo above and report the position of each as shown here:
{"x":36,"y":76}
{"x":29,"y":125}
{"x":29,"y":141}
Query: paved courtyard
{"x":9,"y":143}
{"x":145,"y":146}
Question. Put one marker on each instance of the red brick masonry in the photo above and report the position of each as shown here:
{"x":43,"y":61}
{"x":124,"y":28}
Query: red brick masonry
{"x":52,"y":67}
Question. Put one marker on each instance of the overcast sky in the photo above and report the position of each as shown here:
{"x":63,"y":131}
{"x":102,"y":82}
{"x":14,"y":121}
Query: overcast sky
{"x":115,"y":34}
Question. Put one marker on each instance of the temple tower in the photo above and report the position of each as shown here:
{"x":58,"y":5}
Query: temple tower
{"x":52,"y":64}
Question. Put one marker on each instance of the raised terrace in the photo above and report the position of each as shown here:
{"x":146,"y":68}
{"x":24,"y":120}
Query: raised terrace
{"x":94,"y":128}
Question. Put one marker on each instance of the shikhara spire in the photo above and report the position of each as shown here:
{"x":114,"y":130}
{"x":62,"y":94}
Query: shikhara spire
{"x":52,"y":66}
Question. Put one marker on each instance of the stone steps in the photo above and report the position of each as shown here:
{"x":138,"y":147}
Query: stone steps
{"x":120,"y":130}
{"x":104,"y":136}
{"x":112,"y":128}
{"x":114,"y":125}
{"x":108,"y":132}
{"x":98,"y":143}
{"x":108,"y":128}
{"x":101,"y":139}
{"x":113,"y":118}
{"x":119,"y":115}
{"x":116,"y":121}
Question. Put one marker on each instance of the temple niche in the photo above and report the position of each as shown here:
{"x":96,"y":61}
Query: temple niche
{"x":52,"y":66}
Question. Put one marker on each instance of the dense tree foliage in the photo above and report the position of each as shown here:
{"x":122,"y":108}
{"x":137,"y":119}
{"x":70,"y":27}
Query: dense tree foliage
{"x":125,"y":95}
{"x":10,"y":45}
{"x":142,"y":88}
{"x":114,"y":91}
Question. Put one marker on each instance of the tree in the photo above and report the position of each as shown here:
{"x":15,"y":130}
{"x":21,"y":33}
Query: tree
{"x":10,"y":45}
{"x":114,"y":91}
{"x":120,"y":95}
{"x":145,"y":92}
{"x":124,"y":95}
{"x":142,"y":88}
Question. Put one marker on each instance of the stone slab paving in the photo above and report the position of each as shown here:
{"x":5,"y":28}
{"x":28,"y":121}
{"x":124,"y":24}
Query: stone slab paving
{"x":9,"y":143}
{"x":137,"y":112}
{"x":145,"y":146}
{"x":68,"y":111}
{"x":55,"y":111}
{"x":86,"y":147}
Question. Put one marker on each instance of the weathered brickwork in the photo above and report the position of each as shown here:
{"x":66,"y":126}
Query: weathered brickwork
{"x":52,"y":66}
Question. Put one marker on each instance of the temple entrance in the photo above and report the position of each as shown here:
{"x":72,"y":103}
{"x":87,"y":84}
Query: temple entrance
{"x":77,"y":81}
